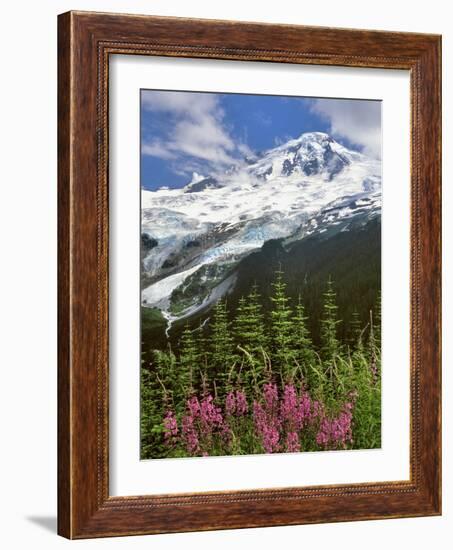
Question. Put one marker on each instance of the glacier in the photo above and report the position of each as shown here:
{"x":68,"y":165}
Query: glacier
{"x":203,"y":230}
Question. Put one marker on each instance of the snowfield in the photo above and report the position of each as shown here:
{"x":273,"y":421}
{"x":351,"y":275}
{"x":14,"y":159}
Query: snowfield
{"x":291,"y":191}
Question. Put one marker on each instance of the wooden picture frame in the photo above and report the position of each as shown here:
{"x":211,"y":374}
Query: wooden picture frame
{"x":85,"y":42}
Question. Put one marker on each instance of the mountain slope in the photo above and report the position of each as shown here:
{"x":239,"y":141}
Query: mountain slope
{"x":352,"y":258}
{"x":201,"y":233}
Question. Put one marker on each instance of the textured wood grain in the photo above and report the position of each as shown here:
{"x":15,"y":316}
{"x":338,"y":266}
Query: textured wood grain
{"x":64,"y":366}
{"x":85,"y":42}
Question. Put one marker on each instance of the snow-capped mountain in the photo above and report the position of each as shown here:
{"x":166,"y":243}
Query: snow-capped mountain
{"x":194,"y":237}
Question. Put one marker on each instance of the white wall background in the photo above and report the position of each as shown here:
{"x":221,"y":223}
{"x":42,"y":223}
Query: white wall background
{"x":28,"y":270}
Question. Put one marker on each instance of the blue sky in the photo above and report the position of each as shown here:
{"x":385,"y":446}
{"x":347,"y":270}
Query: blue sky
{"x":186,"y":132}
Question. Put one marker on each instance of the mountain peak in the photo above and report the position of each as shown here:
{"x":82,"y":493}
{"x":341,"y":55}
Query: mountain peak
{"x":196,"y":177}
{"x":315,"y":136}
{"x":309,"y":186}
{"x":306,"y":138}
{"x":312,"y":153}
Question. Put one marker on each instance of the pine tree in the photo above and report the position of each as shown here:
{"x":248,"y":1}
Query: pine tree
{"x":249,"y":327}
{"x":167,"y":380}
{"x":221,"y":357}
{"x":159,"y":392}
{"x":302,"y":341}
{"x":250,"y":336}
{"x":189,"y":360}
{"x":202,"y":343}
{"x":240,"y":323}
{"x":330,"y":346}
{"x":283,"y":353}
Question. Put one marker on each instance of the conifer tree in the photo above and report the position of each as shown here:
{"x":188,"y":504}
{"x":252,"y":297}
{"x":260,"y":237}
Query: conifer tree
{"x":189,"y":360}
{"x":166,"y":375}
{"x":240,"y":323}
{"x":282,"y":329}
{"x":250,"y":336}
{"x":249,"y":327}
{"x":159,"y":392}
{"x":330,"y":346}
{"x":203,"y":352}
{"x":302,"y":341}
{"x":221,"y":357}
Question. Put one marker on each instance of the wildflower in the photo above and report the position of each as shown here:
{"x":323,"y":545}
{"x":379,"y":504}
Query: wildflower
{"x":323,"y":435}
{"x":259,"y":417}
{"x":290,"y":410}
{"x":194,"y":406}
{"x":271,"y":439}
{"x":210,"y":414}
{"x":230,"y":403}
{"x":336,"y":432}
{"x":292,"y":442}
{"x":308,"y":409}
{"x":190,"y":434}
{"x":316,"y":411}
{"x":225,"y":433}
{"x":241,"y":403}
{"x":267,"y":426}
{"x":170,"y":427}
{"x":270,"y":396}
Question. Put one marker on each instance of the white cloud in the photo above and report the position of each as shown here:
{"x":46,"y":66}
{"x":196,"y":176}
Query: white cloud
{"x":185,"y":103}
{"x":203,"y":138}
{"x":245,"y":150}
{"x":197,"y":128}
{"x":157,"y":149}
{"x":280,"y":140}
{"x":358,"y":121}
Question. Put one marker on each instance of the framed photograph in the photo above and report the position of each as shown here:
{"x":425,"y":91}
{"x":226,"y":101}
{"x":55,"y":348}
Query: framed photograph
{"x":249,"y":275}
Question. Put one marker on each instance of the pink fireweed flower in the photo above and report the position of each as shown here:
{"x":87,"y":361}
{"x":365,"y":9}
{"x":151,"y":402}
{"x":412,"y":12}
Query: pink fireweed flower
{"x":271,"y":439}
{"x":210,"y":420}
{"x":267,"y":425}
{"x":236,"y":403}
{"x":323,"y":435}
{"x":225,"y":433}
{"x":296,"y":411}
{"x":292,"y":442}
{"x":270,"y":396}
{"x":202,"y":421}
{"x":290,"y":410}
{"x":241,"y":403}
{"x":190,"y":434}
{"x":194,"y":406}
{"x":230,"y":403}
{"x":316,"y":411}
{"x":336,"y":432}
{"x":209,"y":413}
{"x":259,"y":417}
{"x":170,"y":426}
{"x":308,"y":409}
